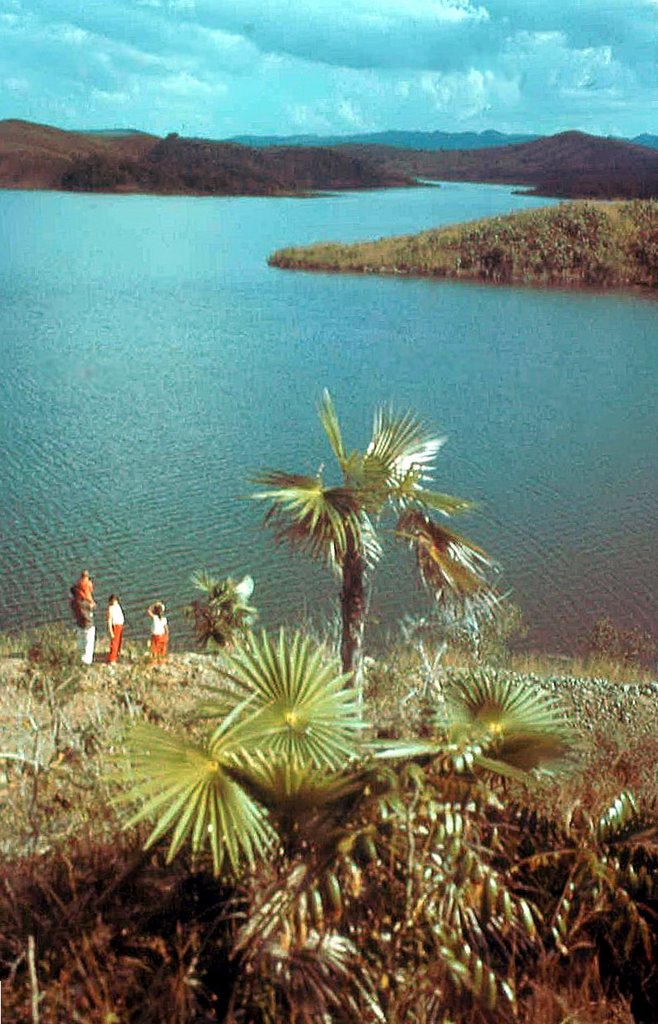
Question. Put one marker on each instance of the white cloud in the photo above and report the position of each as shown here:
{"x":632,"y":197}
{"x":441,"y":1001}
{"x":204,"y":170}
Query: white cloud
{"x":469,"y":93}
{"x":184,"y":84}
{"x":120,"y":98}
{"x":317,"y":66}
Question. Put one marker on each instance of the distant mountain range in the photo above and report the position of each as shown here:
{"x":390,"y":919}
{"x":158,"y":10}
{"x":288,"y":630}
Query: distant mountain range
{"x":413,"y":140}
{"x":571,"y":164}
{"x":400,"y":140}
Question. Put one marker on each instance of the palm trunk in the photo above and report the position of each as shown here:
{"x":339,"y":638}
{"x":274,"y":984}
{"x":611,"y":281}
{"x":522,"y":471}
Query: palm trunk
{"x":353,"y":612}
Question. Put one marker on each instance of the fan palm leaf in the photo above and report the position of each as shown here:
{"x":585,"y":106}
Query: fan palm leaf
{"x":311,"y":517}
{"x":519,"y":726}
{"x":452,"y":567}
{"x":300,"y":707}
{"x":401,"y":445}
{"x":206,"y":582}
{"x":331,"y":426}
{"x":186,"y":788}
{"x":313,"y":809}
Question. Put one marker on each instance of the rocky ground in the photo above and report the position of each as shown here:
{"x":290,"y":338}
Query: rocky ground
{"x":100,"y":695}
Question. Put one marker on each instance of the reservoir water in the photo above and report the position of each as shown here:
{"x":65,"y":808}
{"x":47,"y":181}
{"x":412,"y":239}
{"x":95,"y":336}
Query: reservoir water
{"x":151,"y":361}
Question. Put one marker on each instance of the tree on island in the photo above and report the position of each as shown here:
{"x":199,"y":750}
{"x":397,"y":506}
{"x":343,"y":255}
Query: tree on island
{"x":340,"y":525}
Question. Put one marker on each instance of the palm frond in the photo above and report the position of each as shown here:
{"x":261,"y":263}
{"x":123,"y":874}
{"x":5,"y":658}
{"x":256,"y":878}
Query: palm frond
{"x":401,"y":444}
{"x":520,"y":726}
{"x":283,"y":784}
{"x":301,"y":707}
{"x":451,"y":567}
{"x":331,"y":426}
{"x":446,"y":504}
{"x":311,"y":517}
{"x":315,"y":810}
{"x":186,"y":789}
{"x":205,"y":581}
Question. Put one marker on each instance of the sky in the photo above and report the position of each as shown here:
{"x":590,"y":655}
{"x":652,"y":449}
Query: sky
{"x":217,"y":68}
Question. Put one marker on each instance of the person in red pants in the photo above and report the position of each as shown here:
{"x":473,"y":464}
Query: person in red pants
{"x":115,"y":623}
{"x":159,"y":632}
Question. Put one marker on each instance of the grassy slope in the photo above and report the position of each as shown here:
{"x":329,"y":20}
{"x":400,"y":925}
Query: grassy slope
{"x":579,"y":243}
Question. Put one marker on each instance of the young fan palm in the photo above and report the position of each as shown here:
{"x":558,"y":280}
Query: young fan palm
{"x":281,"y":709}
{"x":338,"y":524}
{"x":223,"y":614}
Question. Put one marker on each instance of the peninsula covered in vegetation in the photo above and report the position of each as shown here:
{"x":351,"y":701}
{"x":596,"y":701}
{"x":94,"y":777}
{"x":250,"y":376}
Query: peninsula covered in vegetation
{"x":579,"y":243}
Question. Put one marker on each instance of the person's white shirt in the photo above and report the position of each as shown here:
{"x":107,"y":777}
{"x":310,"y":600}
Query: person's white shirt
{"x":115,"y":615}
{"x":158,"y":625}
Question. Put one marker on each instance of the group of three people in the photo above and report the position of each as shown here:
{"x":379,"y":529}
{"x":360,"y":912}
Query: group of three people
{"x":83,"y":604}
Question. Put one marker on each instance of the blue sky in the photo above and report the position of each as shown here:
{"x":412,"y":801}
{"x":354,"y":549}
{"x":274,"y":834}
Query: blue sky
{"x":223,"y":67}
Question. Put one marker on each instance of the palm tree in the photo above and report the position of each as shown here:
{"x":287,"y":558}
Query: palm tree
{"x":280,"y":707}
{"x":354,"y":860}
{"x":223,"y":614}
{"x":338,"y":524}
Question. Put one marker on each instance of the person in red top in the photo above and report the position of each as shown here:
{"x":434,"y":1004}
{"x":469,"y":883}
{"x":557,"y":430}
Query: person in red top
{"x":85,"y":588}
{"x":82,"y":605}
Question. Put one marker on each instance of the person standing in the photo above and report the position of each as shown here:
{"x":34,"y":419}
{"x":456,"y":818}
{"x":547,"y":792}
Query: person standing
{"x":115,"y":624}
{"x":159,"y":632}
{"x":82,"y":605}
{"x":85,"y":588}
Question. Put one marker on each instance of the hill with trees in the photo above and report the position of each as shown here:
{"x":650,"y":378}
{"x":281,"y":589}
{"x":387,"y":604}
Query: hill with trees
{"x":38,"y":156}
{"x":580,"y":243}
{"x":571,"y":165}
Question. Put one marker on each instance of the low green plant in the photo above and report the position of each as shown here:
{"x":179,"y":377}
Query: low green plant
{"x":53,"y":651}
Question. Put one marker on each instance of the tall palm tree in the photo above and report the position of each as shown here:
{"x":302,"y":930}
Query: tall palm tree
{"x":338,"y":524}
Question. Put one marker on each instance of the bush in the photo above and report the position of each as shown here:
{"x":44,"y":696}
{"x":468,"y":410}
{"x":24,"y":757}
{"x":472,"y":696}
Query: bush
{"x":627,"y":646}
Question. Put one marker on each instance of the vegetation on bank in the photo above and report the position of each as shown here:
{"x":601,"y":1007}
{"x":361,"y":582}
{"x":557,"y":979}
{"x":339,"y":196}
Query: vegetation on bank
{"x":576,"y":243}
{"x":420,"y":875}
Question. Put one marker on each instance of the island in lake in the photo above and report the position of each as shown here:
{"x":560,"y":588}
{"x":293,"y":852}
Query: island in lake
{"x":577,"y":243}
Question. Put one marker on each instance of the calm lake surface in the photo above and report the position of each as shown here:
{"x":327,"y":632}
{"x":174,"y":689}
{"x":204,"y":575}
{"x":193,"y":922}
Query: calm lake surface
{"x":151,"y":361}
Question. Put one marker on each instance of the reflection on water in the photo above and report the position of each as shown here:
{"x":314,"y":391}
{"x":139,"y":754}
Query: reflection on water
{"x":151,"y":361}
